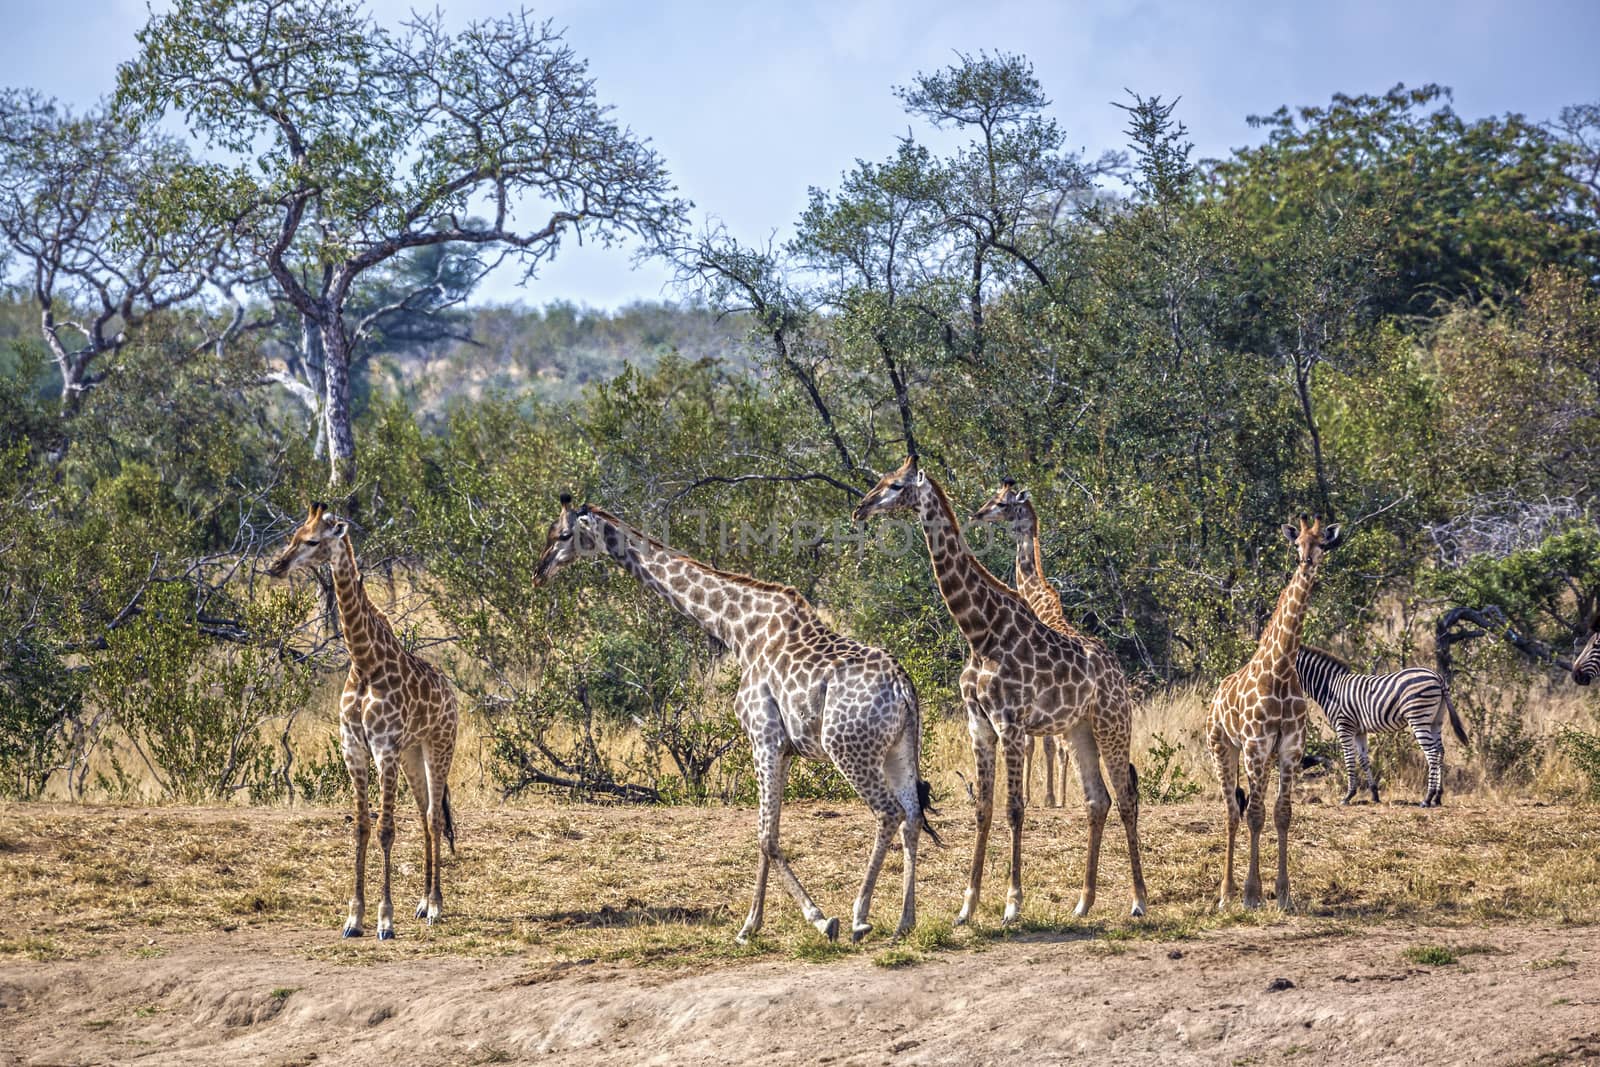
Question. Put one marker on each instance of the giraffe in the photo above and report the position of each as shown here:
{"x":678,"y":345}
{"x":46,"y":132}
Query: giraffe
{"x":1113,"y":717}
{"x":804,"y":691}
{"x":1020,"y":677}
{"x":1260,"y":710}
{"x":396,"y":709}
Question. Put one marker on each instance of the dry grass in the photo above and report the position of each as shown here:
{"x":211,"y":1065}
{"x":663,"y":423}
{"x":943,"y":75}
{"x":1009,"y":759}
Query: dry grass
{"x":670,"y":886}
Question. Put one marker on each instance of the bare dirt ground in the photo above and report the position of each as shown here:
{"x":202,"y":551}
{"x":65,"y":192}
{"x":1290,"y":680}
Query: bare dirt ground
{"x":582,"y":934}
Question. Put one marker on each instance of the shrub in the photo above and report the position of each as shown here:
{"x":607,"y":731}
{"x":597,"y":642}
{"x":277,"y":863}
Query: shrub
{"x":1164,"y":780}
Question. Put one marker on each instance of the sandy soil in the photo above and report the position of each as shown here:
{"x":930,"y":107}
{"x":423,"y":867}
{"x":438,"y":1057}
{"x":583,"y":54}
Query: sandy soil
{"x":1521,"y":994}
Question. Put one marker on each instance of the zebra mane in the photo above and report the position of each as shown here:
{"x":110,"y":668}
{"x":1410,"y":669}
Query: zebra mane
{"x":1325,"y":654}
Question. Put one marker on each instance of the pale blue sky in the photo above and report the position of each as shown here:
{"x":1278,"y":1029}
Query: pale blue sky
{"x":752,"y":102}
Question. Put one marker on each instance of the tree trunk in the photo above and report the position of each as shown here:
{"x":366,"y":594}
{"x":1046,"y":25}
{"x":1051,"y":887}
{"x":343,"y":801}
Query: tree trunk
{"x":1302,"y":381}
{"x":336,"y":404}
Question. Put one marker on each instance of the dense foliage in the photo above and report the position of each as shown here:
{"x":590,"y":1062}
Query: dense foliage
{"x":1383,"y":311}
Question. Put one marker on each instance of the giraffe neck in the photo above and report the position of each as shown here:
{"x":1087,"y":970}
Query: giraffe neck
{"x":367,"y":634}
{"x":733,"y":609}
{"x":1031,"y":582}
{"x":975,"y":597}
{"x":1281,"y":638}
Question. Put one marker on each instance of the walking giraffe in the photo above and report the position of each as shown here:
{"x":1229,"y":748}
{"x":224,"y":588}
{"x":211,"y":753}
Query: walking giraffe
{"x":1113,"y":716}
{"x":396,"y":708}
{"x":804,"y":690}
{"x":1414,"y":698}
{"x":1021,"y":677}
{"x":1260,"y":710}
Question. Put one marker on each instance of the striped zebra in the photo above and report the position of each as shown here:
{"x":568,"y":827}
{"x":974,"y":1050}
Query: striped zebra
{"x":1359,"y":704}
{"x":1586,"y":664}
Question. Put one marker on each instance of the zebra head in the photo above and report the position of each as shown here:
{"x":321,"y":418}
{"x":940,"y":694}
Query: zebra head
{"x":1586,"y":664}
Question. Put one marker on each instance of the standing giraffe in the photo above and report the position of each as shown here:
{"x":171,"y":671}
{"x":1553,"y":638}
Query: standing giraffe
{"x":804,"y":690}
{"x":1260,"y":710}
{"x":1113,"y":718}
{"x":1021,"y":678}
{"x":396,"y":708}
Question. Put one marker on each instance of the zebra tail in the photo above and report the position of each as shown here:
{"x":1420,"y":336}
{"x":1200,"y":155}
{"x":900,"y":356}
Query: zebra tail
{"x":1455,"y":720}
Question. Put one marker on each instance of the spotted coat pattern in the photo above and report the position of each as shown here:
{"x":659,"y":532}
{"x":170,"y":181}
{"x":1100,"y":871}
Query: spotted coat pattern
{"x":1113,"y":711}
{"x":397,"y":714}
{"x":803,"y":691}
{"x":1259,"y":712}
{"x":1021,"y":678}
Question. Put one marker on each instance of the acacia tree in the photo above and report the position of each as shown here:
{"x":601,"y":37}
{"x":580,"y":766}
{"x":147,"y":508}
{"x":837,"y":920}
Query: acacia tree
{"x":360,"y":144}
{"x":72,"y":192}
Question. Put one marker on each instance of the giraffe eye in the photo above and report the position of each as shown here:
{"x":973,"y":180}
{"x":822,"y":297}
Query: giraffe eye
{"x":896,"y":485}
{"x":313,"y":542}
{"x":566,"y":536}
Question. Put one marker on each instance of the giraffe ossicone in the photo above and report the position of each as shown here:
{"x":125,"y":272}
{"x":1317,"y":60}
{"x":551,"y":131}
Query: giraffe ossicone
{"x":397,"y":713}
{"x":1021,"y":677}
{"x":803,"y":691}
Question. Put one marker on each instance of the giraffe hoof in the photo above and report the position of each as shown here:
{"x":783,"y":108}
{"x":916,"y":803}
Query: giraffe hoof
{"x":829,"y":928}
{"x":860,"y":930}
{"x":352,"y":931}
{"x":422,"y":909}
{"x":1138,"y":910}
{"x":385,"y":935}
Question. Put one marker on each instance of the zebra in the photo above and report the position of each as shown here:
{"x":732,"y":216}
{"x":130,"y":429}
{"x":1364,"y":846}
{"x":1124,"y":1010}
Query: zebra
{"x":1586,"y":664}
{"x":1359,"y":704}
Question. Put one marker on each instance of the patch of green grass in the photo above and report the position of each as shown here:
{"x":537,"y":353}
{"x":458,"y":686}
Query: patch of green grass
{"x":1431,"y":955}
{"x":148,"y":1010}
{"x":97,"y":1024}
{"x":817,"y":950}
{"x":283,"y":992}
{"x":1552,"y":962}
{"x":892,"y":958}
{"x":34,"y":948}
{"x":932,"y":935}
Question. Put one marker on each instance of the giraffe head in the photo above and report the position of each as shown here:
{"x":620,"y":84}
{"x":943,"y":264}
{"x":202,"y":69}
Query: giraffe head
{"x":899,"y":490}
{"x":574,"y":535}
{"x":1011,"y":506}
{"x":312,"y":543}
{"x":1311,"y":539}
{"x":1586,"y":664}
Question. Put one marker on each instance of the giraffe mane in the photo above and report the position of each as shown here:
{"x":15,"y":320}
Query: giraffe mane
{"x":730,"y":576}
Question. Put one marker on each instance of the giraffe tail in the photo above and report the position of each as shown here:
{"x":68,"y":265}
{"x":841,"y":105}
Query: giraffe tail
{"x":449,"y":821}
{"x":924,"y":790}
{"x":1455,"y":720}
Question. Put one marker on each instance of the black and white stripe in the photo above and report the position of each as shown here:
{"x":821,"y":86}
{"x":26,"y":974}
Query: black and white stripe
{"x":1362,"y":704}
{"x":1586,"y":664}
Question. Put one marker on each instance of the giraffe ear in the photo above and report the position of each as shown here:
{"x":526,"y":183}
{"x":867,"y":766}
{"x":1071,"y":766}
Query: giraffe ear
{"x":1331,"y":535}
{"x":922,"y":479}
{"x":1290,"y":533}
{"x":1023,"y":496}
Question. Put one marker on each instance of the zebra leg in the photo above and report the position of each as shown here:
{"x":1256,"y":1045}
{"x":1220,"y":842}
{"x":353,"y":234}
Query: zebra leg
{"x":1347,"y":745}
{"x":1432,"y":751}
{"x":1366,"y":766}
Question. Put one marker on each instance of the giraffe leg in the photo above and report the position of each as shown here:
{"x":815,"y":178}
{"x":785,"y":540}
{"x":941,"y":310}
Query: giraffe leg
{"x":1097,"y":803}
{"x":773,"y":777}
{"x":901,"y":770}
{"x":1225,"y":757}
{"x":1027,"y":768}
{"x":871,"y":774}
{"x":1288,"y":765}
{"x":1257,"y":758}
{"x":1050,"y":800}
{"x":356,"y":762}
{"x":436,"y":762}
{"x":1352,"y":780}
{"x":1367,"y":776}
{"x":1125,"y":786}
{"x":983,"y":756}
{"x":411,"y":764}
{"x":861,"y":913}
{"x":1012,"y":741}
{"x":388,"y":781}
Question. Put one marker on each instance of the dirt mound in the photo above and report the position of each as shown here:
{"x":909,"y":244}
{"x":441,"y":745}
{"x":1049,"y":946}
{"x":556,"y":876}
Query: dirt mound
{"x":1234,"y":996}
